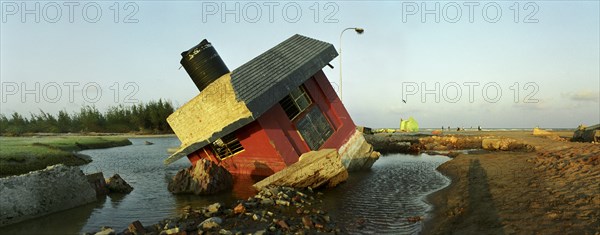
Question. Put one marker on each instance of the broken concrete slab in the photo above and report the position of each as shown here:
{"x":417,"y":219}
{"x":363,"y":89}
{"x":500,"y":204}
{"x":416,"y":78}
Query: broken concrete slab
{"x":42,"y":192}
{"x":314,"y":169}
{"x":357,"y":153}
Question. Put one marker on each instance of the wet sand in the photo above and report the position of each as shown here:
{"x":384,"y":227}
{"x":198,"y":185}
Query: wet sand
{"x":554,"y":189}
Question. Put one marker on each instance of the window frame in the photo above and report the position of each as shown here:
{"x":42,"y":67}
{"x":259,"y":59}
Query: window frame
{"x":304,"y":115}
{"x":303,"y":94}
{"x":230,"y":150}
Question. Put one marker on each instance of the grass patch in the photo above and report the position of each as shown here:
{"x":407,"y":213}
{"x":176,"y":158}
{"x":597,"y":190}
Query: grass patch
{"x":20,"y":155}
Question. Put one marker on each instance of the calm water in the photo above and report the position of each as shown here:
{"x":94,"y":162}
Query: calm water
{"x":379,"y":201}
{"x":382,"y":197}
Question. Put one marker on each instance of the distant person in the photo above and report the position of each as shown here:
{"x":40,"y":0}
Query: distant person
{"x":458,"y":129}
{"x":448,"y":128}
{"x":442,"y":128}
{"x":479,"y":128}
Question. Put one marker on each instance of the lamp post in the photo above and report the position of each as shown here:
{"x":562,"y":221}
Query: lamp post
{"x":357,"y":30}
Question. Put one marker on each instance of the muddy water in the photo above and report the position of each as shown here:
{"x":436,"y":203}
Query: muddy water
{"x":376,"y":201}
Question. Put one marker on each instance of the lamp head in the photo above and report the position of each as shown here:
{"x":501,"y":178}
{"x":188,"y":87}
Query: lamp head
{"x":359,"y":30}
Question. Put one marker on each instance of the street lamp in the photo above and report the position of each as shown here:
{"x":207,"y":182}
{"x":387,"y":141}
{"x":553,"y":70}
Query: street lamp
{"x":357,"y":30}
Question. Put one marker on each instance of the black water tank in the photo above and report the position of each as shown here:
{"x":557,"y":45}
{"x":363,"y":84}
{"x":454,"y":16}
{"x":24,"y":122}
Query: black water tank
{"x":203,"y":64}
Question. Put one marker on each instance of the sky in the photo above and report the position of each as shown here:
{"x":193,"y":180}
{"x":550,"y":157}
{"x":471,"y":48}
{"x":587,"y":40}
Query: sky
{"x":496,"y":64}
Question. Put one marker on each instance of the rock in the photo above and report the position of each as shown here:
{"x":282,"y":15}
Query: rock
{"x":204,"y":178}
{"x":213,"y":208}
{"x":239,"y":209}
{"x":283,"y":225}
{"x":225,"y":232}
{"x":267,"y":201}
{"x":260,"y":232}
{"x":42,"y":192}
{"x":136,"y":228}
{"x":116,"y":184}
{"x":106,"y":231}
{"x":314,"y":169}
{"x":211,"y":223}
{"x":282,"y":202}
{"x":98,"y":183}
{"x":170,"y":231}
{"x":307,"y":222}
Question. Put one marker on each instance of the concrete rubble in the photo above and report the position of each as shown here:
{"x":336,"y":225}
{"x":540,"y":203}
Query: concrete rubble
{"x":42,"y":192}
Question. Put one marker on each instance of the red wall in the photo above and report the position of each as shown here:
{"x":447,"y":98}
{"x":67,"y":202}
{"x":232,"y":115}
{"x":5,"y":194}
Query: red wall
{"x":283,"y":134}
{"x":272,"y":142}
{"x":258,"y":158}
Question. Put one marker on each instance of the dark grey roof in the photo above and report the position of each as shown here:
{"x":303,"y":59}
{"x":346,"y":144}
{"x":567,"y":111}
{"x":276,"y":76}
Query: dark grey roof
{"x":263,"y":81}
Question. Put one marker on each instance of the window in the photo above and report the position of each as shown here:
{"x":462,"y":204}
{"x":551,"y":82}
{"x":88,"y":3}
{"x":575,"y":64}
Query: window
{"x":227,"y":146}
{"x":314,"y":128}
{"x":296,"y":102}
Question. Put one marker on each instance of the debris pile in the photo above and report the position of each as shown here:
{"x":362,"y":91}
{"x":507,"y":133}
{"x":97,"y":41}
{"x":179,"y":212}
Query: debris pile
{"x":274,"y":210}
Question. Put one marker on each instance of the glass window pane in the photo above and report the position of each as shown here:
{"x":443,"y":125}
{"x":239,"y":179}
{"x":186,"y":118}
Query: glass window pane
{"x":303,"y":103}
{"x":314,"y":128}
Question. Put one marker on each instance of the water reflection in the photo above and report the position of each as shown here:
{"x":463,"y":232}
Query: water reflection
{"x":67,"y":222}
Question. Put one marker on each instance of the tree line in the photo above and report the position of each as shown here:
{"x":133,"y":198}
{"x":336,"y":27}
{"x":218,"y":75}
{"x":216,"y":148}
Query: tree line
{"x":149,"y":118}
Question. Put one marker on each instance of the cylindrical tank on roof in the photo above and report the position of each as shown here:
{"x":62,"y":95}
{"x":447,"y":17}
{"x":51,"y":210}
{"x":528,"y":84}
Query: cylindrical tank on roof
{"x":203,"y":64}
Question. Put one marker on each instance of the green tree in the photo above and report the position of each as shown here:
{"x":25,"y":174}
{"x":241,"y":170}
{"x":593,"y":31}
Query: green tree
{"x":17,"y":124}
{"x":63,"y":122}
{"x":4,"y":122}
{"x":91,"y":119}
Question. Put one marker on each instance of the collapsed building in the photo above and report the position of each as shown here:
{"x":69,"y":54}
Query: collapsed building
{"x":263,"y":116}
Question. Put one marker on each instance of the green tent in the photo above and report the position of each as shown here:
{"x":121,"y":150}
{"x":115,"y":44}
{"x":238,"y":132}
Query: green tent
{"x":410,"y":125}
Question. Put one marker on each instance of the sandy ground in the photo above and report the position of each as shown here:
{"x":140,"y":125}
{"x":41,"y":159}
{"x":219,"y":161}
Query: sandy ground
{"x":553,"y":190}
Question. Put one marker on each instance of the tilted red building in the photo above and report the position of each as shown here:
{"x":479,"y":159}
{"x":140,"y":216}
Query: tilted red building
{"x":265,"y":114}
